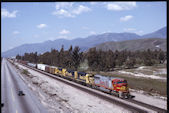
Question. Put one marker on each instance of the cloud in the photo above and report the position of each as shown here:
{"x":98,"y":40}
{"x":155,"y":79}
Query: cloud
{"x":63,"y":13}
{"x":6,"y":14}
{"x":129,"y":29}
{"x":16,"y":32}
{"x":139,"y":32}
{"x":120,"y":6}
{"x":64,"y":5}
{"x":80,"y":10}
{"x":108,"y":31}
{"x":69,"y":9}
{"x":40,"y":26}
{"x":126,"y":18}
{"x":93,"y":3}
{"x":64,"y":31}
{"x":52,"y":38}
{"x":133,"y":30}
{"x":92,"y":33}
{"x":64,"y":37}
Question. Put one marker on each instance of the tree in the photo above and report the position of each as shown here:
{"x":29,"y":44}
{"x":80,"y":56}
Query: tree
{"x":69,"y":58}
{"x":161,"y":56}
{"x":18,"y":57}
{"x":110,"y":60}
{"x":76,"y":57}
{"x":61,"y":57}
{"x":93,"y":59}
{"x":130,"y":62}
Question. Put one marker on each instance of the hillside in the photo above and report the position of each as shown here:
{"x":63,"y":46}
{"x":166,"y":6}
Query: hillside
{"x":133,"y":45}
{"x":161,"y":33}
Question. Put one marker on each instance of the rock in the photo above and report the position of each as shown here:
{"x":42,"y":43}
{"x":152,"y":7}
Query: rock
{"x":36,"y":80}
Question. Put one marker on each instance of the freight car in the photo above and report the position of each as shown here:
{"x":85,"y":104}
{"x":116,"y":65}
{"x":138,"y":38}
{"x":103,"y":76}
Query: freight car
{"x":47,"y":68}
{"x":23,"y":62}
{"x":52,"y":69}
{"x":31,"y":64}
{"x":41,"y":66}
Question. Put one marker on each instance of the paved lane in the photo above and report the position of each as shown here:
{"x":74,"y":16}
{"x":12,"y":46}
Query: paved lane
{"x":11,"y":83}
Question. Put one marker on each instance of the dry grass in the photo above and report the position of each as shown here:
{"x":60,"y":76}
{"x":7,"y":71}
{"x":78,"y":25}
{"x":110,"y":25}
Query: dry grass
{"x":25,"y":71}
{"x":149,"y":70}
{"x":16,"y":66}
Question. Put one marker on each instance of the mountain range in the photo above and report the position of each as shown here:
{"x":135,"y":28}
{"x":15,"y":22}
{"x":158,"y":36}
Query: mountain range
{"x":83,"y":43}
{"x":134,"y":45}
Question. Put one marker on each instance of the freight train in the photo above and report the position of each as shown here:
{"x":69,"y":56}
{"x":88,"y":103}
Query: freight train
{"x":112,"y":85}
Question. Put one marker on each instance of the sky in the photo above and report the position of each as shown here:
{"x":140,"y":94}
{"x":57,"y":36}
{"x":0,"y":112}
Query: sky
{"x":36,"y":22}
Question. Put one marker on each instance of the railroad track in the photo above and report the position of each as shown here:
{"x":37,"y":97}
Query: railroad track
{"x":159,"y":110}
{"x":132,"y":105}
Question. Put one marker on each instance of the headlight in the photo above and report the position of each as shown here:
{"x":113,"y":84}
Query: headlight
{"x":123,"y":88}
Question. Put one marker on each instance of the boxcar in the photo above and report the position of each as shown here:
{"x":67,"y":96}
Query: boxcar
{"x":32,"y":65}
{"x":24,"y":62}
{"x":52,"y":69}
{"x":41,"y":66}
{"x":47,"y":68}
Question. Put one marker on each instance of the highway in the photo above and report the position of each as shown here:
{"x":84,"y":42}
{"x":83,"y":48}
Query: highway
{"x":11,"y":83}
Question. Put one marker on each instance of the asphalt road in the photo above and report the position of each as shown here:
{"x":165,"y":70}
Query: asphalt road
{"x":11,"y":83}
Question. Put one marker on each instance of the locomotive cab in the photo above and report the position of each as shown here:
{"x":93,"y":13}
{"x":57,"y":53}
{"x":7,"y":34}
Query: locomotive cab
{"x":121,"y":86}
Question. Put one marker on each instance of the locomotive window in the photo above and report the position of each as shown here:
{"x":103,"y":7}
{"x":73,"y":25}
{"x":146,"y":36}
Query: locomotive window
{"x":97,"y":77}
{"x":122,"y":82}
{"x":125,"y":81}
{"x":119,"y":82}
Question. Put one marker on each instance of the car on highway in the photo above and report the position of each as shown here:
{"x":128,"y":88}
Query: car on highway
{"x":20,"y":93}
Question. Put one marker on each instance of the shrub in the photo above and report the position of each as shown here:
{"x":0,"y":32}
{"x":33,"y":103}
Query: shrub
{"x":25,"y":71}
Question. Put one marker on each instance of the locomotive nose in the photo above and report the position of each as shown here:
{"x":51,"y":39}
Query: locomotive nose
{"x":123,"y":84}
{"x":123,"y":88}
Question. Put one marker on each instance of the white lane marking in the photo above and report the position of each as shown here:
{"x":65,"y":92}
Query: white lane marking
{"x":12,"y":95}
{"x":16,"y":111}
{"x":8,"y":79}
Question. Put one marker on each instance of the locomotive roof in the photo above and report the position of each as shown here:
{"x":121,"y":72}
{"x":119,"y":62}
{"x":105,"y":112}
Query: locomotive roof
{"x":53,"y":66}
{"x":43,"y":64}
{"x":110,"y":77}
{"x":60,"y":68}
{"x":82,"y":73}
{"x":70,"y":71}
{"x":30,"y":63}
